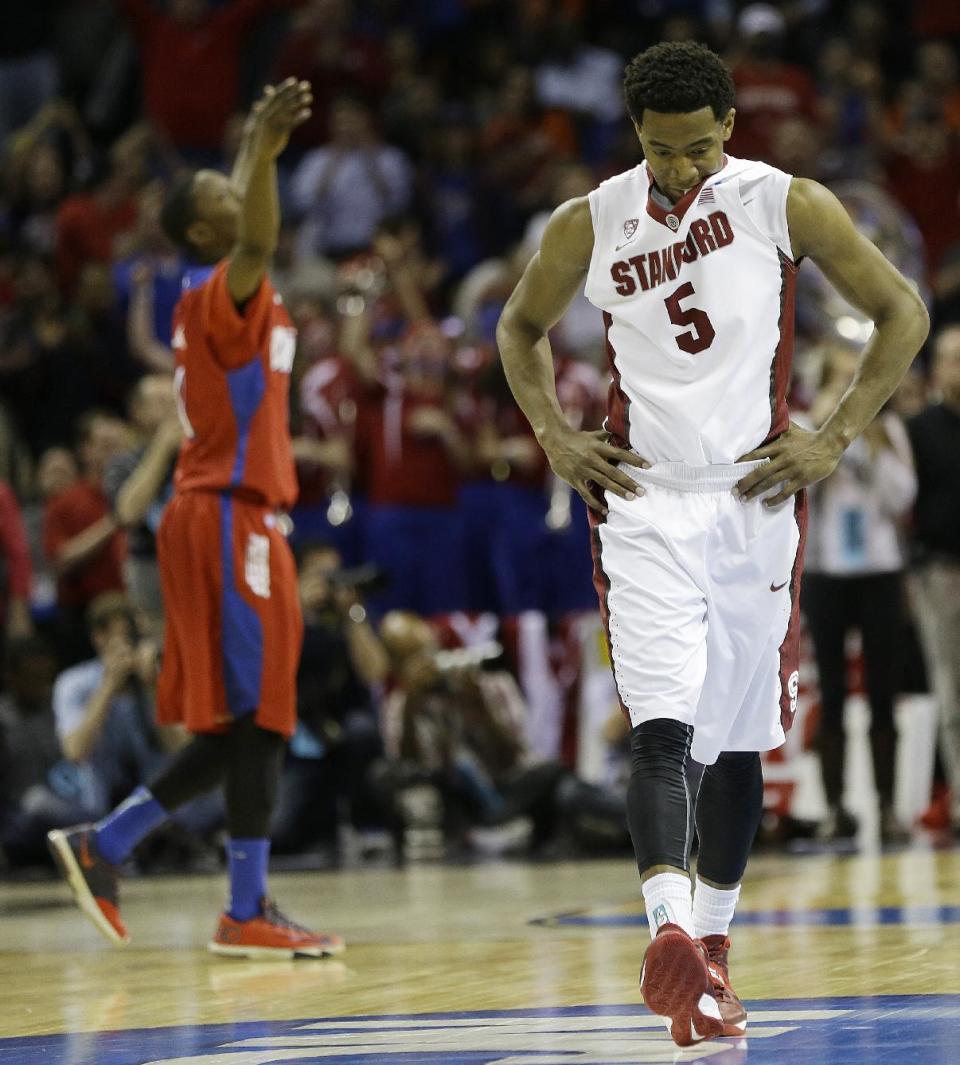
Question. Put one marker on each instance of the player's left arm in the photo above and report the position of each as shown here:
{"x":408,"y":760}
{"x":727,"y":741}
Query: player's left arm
{"x":821,"y":229}
{"x":275,"y":115}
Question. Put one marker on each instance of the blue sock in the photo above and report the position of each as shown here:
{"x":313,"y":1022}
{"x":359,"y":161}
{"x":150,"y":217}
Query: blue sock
{"x":120,"y":831}
{"x":248,"y":876}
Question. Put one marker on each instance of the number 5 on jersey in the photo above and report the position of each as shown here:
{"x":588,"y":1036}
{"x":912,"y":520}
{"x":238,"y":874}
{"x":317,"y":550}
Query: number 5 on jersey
{"x":702,"y":333}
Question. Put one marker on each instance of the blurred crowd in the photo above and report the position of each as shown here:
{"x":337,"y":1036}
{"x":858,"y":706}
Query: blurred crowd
{"x":429,"y":524}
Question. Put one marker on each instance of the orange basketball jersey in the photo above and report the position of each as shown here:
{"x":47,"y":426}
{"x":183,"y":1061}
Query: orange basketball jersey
{"x":232,"y":380}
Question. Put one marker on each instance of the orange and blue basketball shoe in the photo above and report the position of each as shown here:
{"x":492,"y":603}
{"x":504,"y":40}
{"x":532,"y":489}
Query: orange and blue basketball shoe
{"x":91,"y":877}
{"x":732,"y":1012}
{"x":676,"y":983}
{"x":271,"y":935}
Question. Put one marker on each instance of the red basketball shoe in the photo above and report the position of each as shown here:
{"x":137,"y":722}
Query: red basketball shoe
{"x":271,"y":935}
{"x":92,"y":879}
{"x":732,"y":1013}
{"x":675,"y":983}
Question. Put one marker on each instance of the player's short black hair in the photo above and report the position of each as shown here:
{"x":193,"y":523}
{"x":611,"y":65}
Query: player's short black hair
{"x":677,"y":77}
{"x":179,"y":211}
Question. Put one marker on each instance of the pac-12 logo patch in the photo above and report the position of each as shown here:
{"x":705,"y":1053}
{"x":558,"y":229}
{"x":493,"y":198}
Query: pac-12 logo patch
{"x":630,"y":227}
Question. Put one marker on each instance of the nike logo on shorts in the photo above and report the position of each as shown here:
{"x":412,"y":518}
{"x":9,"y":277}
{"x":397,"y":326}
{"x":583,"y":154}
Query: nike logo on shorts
{"x":777,"y":587}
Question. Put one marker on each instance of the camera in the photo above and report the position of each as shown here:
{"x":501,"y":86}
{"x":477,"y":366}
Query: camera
{"x":467,"y":657}
{"x":366,"y":580}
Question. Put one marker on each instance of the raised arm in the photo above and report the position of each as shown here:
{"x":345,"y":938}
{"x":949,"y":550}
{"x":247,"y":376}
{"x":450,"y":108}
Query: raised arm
{"x":549,"y":283}
{"x":821,"y":229}
{"x":141,"y":335}
{"x":278,"y":112}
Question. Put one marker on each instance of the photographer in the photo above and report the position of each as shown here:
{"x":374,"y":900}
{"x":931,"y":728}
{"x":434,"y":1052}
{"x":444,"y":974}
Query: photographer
{"x":455,"y":734}
{"x":104,"y":715}
{"x":337,"y":735}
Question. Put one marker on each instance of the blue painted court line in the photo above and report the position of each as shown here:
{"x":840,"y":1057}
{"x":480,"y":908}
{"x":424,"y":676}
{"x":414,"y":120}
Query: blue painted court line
{"x":886,"y":1030}
{"x":859,"y":917}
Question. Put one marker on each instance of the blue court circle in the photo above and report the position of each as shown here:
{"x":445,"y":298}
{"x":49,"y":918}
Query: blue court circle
{"x":887,"y":1030}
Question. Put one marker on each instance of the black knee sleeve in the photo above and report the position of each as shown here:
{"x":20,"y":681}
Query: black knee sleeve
{"x":658,"y":801}
{"x":193,"y":771}
{"x":729,"y":808}
{"x":254,"y":764}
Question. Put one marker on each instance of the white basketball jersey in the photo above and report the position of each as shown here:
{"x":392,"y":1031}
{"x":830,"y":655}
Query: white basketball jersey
{"x":698,"y":302}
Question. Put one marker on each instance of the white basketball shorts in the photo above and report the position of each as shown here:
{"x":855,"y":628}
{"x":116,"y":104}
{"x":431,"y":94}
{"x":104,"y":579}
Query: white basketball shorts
{"x":700,"y":596}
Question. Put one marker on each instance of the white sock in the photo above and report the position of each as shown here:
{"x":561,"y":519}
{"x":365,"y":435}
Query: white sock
{"x":667,"y":898}
{"x":713,"y":909}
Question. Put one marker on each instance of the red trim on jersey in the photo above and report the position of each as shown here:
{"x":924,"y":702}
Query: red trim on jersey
{"x":680,"y":208}
{"x":783,"y":355}
{"x":790,"y":648}
{"x":601,"y":582}
{"x":618,"y":403}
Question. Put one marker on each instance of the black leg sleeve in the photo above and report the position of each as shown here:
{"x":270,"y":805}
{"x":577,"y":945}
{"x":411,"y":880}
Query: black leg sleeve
{"x":658,"y":801}
{"x":729,"y":808}
{"x":252,"y":778}
{"x":195,"y":770}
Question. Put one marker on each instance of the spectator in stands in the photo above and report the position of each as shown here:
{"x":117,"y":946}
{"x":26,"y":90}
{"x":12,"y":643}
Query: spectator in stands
{"x":935,"y":435}
{"x":190,"y":59}
{"x":520,"y":142}
{"x":412,"y":451}
{"x":90,"y":223}
{"x":934,"y":89}
{"x":56,"y":471}
{"x":95,"y":342}
{"x":582,"y":79}
{"x":851,"y":109}
{"x":328,"y":49}
{"x":82,"y":539}
{"x":451,"y":184}
{"x":103,"y":706}
{"x":324,"y":424}
{"x":345,"y":188}
{"x":42,"y":160}
{"x":15,"y":568}
{"x":922,"y":175}
{"x":39,"y":790}
{"x":338,"y":738}
{"x":853,"y":578}
{"x":769,"y":89}
{"x":138,"y":482}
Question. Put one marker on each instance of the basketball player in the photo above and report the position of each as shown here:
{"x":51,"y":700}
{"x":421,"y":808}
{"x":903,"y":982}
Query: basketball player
{"x":233,"y":625}
{"x":696,"y":486}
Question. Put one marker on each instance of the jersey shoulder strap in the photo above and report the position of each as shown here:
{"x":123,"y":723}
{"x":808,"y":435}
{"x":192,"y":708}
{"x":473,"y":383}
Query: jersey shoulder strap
{"x":762,"y":191}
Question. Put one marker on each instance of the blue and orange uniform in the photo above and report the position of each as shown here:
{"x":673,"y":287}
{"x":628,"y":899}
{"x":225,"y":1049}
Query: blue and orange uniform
{"x":234,"y":627}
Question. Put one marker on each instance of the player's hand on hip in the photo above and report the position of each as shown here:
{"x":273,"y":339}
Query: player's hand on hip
{"x":798,"y":458}
{"x":278,"y":112}
{"x":588,"y":462}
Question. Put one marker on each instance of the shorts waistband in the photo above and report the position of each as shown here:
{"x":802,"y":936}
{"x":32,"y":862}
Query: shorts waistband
{"x":682,"y":477}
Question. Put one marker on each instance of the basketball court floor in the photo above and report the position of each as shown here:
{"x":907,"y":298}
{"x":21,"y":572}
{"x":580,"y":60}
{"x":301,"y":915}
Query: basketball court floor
{"x":843,"y":960}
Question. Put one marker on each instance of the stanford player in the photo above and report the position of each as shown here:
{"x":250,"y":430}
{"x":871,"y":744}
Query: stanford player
{"x":696,"y":486}
{"x":229,"y":583}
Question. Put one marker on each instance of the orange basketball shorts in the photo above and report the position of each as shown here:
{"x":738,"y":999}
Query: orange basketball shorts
{"x":233,"y":624}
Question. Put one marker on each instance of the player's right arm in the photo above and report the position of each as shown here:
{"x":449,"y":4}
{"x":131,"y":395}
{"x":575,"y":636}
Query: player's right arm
{"x":275,"y":115}
{"x":549,"y":284}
